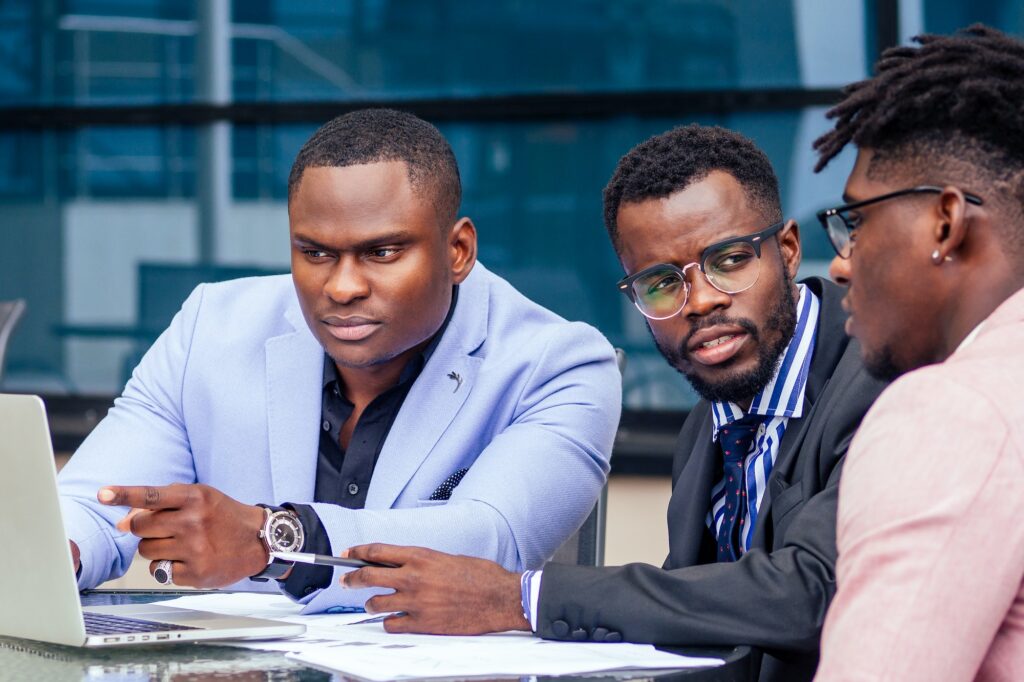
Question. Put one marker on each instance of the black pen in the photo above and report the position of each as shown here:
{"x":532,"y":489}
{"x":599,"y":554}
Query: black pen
{"x":324,"y":560}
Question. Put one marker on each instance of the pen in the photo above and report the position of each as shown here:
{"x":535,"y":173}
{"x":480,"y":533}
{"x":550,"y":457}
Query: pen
{"x":324,"y":560}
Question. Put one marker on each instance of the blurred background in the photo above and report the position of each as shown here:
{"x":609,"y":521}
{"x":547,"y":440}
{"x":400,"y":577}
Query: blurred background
{"x":145,"y":147}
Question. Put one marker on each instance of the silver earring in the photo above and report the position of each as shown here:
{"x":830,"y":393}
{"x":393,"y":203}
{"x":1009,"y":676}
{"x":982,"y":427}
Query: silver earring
{"x":938,"y":259}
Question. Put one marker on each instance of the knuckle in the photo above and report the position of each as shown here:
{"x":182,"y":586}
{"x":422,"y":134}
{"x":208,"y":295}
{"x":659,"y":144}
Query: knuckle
{"x":151,"y":495}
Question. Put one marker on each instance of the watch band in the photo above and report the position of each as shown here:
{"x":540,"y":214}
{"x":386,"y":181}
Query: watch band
{"x":274,"y":570}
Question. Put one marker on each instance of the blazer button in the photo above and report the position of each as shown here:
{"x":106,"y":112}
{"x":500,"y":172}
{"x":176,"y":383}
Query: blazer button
{"x":599,"y":634}
{"x":579,"y":635}
{"x":613,"y":637}
{"x":560,"y":629}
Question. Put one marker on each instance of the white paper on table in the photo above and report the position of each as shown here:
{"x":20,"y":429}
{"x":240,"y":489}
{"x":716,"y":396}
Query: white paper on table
{"x":320,"y":627}
{"x":254,"y":604}
{"x":368,"y":651}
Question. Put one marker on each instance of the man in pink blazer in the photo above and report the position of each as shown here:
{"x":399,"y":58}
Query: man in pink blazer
{"x":931,"y":245}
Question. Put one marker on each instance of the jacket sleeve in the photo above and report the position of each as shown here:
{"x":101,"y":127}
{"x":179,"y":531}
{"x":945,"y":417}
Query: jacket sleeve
{"x":772,"y":600}
{"x":142,"y":441}
{"x":775,"y":600}
{"x":530,"y":487}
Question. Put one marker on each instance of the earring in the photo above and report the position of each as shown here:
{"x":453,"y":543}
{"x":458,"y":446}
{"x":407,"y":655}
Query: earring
{"x":937,"y":259}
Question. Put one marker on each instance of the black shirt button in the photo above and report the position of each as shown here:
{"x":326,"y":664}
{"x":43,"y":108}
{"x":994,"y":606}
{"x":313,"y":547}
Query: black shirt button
{"x":560,"y":628}
{"x":353,"y":489}
{"x":579,"y":635}
{"x":599,"y":634}
{"x":327,"y":425}
{"x":613,"y":637}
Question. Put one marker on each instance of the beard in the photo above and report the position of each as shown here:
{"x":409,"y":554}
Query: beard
{"x":882,"y":365}
{"x":739,"y":388}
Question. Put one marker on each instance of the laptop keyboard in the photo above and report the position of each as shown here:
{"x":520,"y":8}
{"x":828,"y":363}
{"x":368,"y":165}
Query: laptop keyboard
{"x":102,"y":624}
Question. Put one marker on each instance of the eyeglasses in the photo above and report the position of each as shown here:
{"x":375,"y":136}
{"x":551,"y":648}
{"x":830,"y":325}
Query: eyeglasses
{"x":839,"y":222}
{"x":731,"y":266}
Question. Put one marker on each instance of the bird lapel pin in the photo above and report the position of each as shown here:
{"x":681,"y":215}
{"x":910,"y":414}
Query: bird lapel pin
{"x":457,"y":378}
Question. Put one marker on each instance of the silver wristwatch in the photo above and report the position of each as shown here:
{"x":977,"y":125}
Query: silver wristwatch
{"x":281,"y":532}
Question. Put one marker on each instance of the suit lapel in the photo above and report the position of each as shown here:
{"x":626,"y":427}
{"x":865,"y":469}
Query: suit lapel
{"x":295,"y":363}
{"x":691,"y":496}
{"x":437,"y":395}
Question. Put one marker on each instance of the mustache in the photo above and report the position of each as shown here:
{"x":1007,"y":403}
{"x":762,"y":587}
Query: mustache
{"x":746,"y":324}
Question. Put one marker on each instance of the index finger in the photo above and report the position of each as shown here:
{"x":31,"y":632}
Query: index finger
{"x":379,"y":553}
{"x":144,"y":496}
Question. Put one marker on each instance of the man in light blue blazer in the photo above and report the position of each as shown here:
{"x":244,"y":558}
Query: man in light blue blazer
{"x":390,"y":390}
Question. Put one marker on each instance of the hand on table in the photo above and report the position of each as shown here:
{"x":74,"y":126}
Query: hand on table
{"x":76,"y":555}
{"x":212,"y":539}
{"x":438,"y":593}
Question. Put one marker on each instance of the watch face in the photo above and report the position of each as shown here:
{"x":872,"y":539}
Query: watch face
{"x":285,"y":533}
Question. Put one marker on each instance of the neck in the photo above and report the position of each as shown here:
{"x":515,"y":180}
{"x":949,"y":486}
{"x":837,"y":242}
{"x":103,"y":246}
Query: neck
{"x":970,"y":311}
{"x":362,"y":384}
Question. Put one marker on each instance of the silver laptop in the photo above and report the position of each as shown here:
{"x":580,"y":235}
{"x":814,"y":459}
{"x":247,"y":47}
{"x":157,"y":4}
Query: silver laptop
{"x":38,"y":591}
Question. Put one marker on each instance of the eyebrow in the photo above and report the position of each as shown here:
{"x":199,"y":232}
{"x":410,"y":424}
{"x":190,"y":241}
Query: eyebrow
{"x":396,"y":237}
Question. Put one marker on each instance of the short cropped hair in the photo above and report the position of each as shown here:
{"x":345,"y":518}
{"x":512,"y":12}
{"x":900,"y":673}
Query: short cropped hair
{"x":672,"y":161}
{"x":380,"y":135}
{"x":951,"y":106}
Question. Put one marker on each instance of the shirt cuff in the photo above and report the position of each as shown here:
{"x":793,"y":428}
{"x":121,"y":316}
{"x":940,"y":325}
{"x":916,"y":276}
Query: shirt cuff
{"x":529,"y":585}
{"x":305,"y":579}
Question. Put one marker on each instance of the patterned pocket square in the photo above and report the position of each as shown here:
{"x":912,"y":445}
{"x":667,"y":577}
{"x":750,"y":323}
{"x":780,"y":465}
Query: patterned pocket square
{"x":444,"y":491}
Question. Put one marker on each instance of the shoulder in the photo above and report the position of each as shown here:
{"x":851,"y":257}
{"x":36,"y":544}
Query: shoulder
{"x":518,"y":325}
{"x":930,"y":423}
{"x":244,"y":304}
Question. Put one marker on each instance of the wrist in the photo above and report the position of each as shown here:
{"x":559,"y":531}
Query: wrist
{"x":513,"y":606}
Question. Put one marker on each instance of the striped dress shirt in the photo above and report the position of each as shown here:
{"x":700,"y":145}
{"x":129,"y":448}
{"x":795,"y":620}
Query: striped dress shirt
{"x":778,"y":402}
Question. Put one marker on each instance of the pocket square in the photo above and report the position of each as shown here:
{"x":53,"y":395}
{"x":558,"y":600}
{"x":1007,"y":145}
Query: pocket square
{"x":444,"y":491}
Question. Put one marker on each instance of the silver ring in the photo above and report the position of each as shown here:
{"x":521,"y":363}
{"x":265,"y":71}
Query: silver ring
{"x":163,"y":573}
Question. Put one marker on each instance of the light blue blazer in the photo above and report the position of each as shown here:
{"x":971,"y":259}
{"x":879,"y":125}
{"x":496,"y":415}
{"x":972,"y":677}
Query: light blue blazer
{"x":230,"y":395}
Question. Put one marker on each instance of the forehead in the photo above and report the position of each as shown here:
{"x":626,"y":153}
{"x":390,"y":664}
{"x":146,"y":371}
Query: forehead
{"x":862,"y":183}
{"x":358,"y":201}
{"x":677,"y":228}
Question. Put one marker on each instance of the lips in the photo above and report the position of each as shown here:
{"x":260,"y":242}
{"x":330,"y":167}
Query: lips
{"x":351,"y":328}
{"x":717,"y":344}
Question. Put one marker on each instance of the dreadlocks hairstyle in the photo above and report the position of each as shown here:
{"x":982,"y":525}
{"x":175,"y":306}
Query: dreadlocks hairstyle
{"x":378,"y":135}
{"x":670,"y":162}
{"x":952,"y":105}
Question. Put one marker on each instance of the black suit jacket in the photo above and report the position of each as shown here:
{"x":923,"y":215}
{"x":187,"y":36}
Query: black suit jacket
{"x":776,"y":595}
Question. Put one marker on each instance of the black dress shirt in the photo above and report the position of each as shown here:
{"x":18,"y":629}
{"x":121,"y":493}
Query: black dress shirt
{"x":343,"y":475}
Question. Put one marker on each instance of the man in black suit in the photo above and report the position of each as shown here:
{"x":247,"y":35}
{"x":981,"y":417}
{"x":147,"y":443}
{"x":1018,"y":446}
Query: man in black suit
{"x":696,"y":220}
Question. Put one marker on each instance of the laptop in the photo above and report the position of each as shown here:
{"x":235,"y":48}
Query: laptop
{"x":38,"y":590}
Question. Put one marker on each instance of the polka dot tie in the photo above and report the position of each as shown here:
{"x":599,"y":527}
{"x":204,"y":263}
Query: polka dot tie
{"x":735,"y":439}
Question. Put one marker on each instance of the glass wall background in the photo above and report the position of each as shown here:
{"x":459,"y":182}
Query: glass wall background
{"x":104,"y":227}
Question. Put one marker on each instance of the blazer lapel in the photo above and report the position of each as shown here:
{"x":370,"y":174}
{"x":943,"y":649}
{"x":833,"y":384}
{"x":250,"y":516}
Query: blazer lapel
{"x":295,"y":363}
{"x":437,"y":395}
{"x":691,"y":496}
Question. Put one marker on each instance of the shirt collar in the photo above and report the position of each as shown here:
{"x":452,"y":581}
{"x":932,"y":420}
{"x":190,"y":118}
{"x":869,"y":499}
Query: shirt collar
{"x":784,"y":394}
{"x":413,"y":367}
{"x":969,"y":339}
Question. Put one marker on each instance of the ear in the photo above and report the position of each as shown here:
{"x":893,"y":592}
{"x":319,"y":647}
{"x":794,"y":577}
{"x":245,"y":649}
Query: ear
{"x":462,"y":249}
{"x":950,"y":230}
{"x":789,"y":246}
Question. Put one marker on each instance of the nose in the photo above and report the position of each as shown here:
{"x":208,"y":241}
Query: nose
{"x":703,"y":299}
{"x":839,"y":271}
{"x":347,"y":282}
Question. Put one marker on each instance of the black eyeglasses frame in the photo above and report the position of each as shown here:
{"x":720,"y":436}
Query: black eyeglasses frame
{"x":755,"y":240}
{"x":838,"y":212}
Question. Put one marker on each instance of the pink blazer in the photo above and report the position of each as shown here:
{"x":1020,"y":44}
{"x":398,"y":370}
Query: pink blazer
{"x":931,"y":522}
